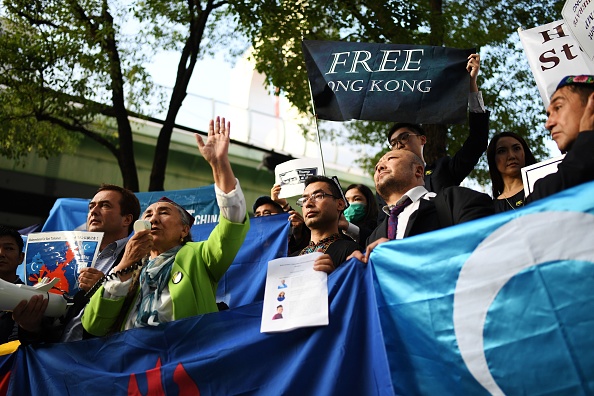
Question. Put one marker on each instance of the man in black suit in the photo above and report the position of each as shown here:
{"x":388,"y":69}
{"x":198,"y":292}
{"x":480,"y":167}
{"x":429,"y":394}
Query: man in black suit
{"x":571,"y":123}
{"x":447,"y":171}
{"x":414,"y":210}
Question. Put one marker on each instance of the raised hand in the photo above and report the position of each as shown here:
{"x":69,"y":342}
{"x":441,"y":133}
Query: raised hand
{"x":274,"y":192}
{"x":215,"y":150}
{"x":472,"y":67}
{"x":296,"y":219}
{"x":217,"y":142}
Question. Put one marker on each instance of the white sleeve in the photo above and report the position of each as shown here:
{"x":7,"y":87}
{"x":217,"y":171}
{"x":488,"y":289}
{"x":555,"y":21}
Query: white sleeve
{"x":232,"y":204}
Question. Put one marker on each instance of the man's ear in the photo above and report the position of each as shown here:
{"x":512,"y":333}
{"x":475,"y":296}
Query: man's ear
{"x":419,"y":171}
{"x":423,"y":139}
{"x":127,"y":220}
{"x":341,"y":204}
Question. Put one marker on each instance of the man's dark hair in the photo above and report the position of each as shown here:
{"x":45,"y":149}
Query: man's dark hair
{"x":129,"y":203}
{"x":584,"y":91}
{"x":334,"y":190}
{"x":416,"y":128}
{"x":10,"y":232}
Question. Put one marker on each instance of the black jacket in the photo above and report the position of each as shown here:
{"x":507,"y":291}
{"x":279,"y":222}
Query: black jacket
{"x":451,"y":206}
{"x":450,"y":171}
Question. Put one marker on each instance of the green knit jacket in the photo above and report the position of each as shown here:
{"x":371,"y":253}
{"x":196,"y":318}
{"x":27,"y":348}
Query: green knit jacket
{"x":196,"y":271}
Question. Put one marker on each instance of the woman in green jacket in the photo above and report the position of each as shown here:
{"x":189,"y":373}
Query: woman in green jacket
{"x":178,"y":278}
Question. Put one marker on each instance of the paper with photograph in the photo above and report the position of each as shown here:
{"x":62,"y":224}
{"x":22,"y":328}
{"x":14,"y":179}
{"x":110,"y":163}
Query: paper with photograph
{"x":291,"y":175}
{"x":60,"y":254}
{"x":295,"y":295}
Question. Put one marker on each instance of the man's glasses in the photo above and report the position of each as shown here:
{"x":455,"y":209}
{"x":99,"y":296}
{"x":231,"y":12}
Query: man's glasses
{"x":316,"y":197}
{"x":401,"y":140}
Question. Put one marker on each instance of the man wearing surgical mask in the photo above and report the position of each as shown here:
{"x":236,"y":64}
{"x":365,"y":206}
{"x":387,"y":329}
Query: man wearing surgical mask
{"x":360,"y":218}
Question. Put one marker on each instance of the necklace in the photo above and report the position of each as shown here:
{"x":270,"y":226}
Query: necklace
{"x":518,"y":203}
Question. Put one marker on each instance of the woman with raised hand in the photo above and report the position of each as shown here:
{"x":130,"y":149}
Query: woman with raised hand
{"x":177,"y":278}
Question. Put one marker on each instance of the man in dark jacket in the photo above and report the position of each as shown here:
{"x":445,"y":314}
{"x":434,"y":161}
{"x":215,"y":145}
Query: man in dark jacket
{"x":571,"y":123}
{"x":447,"y":171}
{"x":413,"y":210}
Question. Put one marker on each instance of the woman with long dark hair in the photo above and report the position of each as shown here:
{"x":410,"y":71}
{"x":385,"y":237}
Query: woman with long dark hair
{"x":507,"y":154}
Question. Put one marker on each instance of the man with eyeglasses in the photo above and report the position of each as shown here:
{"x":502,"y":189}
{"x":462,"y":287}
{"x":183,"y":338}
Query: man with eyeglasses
{"x":447,"y":171}
{"x":322,"y":203}
{"x":412,"y":209}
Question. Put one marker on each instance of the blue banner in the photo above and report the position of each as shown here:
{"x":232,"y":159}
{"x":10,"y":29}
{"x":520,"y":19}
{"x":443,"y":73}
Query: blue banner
{"x":70,"y":214}
{"x":243,"y":283}
{"x":224,"y":354}
{"x":501,"y":305}
{"x":267,"y":239}
{"x":6,"y":362}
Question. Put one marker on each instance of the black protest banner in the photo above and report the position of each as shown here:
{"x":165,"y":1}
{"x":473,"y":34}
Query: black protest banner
{"x":388,"y":82}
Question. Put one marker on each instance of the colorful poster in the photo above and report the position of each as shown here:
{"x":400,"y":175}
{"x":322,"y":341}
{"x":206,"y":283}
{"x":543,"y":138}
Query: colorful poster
{"x":60,"y":255}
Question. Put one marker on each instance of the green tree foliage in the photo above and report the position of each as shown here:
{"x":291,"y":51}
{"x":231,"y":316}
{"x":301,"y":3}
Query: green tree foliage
{"x":70,"y":67}
{"x":276,"y":28}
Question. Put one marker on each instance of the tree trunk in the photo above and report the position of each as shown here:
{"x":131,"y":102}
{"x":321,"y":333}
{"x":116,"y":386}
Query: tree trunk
{"x":125,"y":151}
{"x":126,"y":159}
{"x":185,"y":69}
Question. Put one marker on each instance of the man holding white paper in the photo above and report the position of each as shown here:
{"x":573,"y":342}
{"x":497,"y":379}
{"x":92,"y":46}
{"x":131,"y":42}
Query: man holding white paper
{"x":322,"y":202}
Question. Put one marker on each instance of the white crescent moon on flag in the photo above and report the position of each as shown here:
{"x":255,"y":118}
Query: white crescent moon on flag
{"x":524,"y":242}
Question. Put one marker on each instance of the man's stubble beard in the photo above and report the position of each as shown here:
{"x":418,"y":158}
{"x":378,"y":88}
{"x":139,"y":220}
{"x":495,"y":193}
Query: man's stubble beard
{"x":390,"y":185}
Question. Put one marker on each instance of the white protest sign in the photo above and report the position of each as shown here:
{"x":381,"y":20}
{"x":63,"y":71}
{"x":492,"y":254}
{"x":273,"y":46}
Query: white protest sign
{"x":553,"y":54}
{"x":579,"y":18}
{"x":291,"y":175}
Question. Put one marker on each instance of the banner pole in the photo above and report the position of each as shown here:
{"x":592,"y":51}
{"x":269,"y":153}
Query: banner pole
{"x":313,"y":106}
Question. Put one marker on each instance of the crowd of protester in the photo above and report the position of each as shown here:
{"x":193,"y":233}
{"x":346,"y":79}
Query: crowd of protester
{"x":158,"y":275}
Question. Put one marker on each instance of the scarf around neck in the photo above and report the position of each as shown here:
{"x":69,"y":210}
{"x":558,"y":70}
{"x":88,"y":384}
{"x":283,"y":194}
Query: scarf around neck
{"x":153,"y":280}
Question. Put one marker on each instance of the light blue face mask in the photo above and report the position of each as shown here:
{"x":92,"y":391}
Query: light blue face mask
{"x":355,"y":212}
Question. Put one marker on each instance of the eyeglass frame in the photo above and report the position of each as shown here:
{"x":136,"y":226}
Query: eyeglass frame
{"x":303,"y":200}
{"x":265,"y":212}
{"x":401,"y":140}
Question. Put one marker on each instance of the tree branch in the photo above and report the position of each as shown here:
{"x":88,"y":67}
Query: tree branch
{"x":80,"y":129}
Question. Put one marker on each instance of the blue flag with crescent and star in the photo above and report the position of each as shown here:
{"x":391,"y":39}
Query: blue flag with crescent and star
{"x":501,"y":305}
